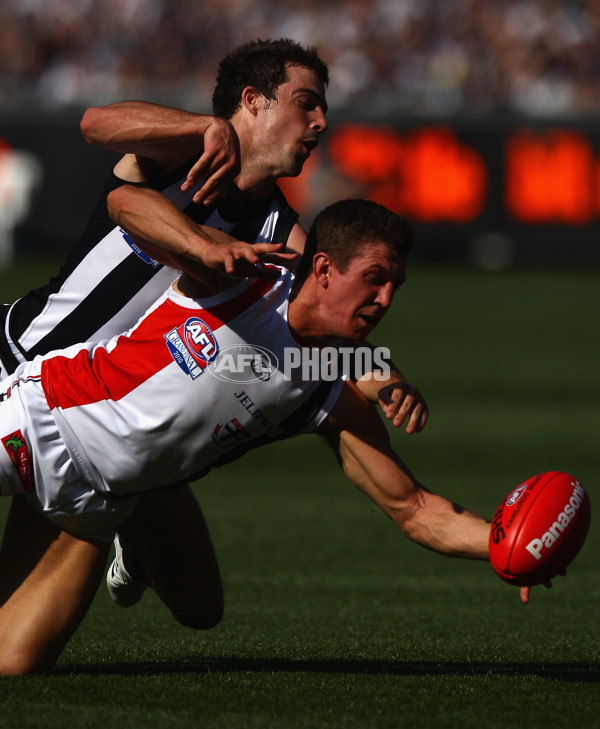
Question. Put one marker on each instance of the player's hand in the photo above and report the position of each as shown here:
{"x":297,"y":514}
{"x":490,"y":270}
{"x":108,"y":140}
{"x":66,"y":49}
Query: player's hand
{"x":525,"y":592}
{"x":244,"y":260}
{"x":219,"y":162}
{"x":402,"y":403}
{"x":281,"y":257}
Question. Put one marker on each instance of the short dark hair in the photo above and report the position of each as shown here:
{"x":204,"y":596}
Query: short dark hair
{"x":343,"y":228}
{"x":262,"y":65}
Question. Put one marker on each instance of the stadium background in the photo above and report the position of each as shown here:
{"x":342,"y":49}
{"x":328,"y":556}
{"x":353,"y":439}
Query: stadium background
{"x":479,"y":119}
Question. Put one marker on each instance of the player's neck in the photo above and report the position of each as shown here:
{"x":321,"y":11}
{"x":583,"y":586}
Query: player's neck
{"x":254,"y":184}
{"x":306,"y":320}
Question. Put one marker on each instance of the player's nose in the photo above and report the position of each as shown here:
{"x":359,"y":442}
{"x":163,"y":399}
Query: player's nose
{"x":319,"y":122}
{"x":385,"y":294}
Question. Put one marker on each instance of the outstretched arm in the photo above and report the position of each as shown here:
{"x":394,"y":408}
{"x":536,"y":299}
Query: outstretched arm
{"x":361,"y":443}
{"x":169,"y":236}
{"x":362,"y":446}
{"x":157,"y":138}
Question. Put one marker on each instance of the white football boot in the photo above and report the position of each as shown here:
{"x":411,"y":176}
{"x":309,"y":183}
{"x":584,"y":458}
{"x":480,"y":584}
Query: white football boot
{"x":123,"y":588}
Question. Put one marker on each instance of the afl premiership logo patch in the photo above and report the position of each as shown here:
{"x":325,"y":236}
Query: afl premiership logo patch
{"x":192,"y":345}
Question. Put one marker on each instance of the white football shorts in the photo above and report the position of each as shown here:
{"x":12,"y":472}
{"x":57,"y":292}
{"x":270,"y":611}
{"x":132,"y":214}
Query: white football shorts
{"x":35,"y":461}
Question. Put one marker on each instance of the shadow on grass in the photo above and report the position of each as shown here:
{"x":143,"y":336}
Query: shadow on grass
{"x":562,"y":671}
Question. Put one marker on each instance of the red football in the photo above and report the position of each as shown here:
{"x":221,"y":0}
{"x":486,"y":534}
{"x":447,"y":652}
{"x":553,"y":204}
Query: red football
{"x":539,"y":528}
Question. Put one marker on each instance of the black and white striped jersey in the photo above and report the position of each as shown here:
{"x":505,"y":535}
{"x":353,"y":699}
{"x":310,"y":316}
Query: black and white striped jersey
{"x":107,"y":282}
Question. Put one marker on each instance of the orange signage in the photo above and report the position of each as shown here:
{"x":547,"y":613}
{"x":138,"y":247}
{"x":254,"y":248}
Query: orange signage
{"x":427,"y":174}
{"x":549,"y":177}
{"x":434,"y":176}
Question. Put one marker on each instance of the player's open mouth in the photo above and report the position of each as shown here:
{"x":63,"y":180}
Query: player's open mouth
{"x":370,"y":320}
{"x":310,"y":144}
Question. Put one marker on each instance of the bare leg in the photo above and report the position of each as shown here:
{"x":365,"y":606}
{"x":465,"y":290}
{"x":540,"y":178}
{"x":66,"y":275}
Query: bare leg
{"x":48,"y":579}
{"x":168,"y":535}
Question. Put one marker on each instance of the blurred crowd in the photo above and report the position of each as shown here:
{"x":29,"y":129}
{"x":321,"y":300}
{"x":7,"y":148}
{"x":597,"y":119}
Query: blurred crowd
{"x":430,"y":57}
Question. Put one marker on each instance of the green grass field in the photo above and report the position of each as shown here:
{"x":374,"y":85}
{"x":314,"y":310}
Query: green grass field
{"x":333,"y":619}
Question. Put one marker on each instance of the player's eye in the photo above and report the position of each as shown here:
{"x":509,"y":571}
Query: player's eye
{"x":377,"y":279}
{"x":308,"y":104}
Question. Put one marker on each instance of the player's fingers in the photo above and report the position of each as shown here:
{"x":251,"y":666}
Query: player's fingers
{"x":389,"y":395}
{"x":391,"y":407}
{"x":219,"y":173}
{"x":229,"y":264}
{"x":414,"y":419}
{"x":525,"y":594}
{"x":417,"y":421}
{"x":203,"y":167}
{"x":398,"y":411}
{"x":279,"y":257}
{"x":422,"y":419}
{"x":403,"y":406}
{"x":241,"y":263}
{"x":249,"y":267}
{"x":245,"y":269}
{"x":267,"y":247}
{"x":214,"y":188}
{"x":218,"y":165}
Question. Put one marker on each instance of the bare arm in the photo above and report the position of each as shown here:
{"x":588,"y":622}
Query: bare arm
{"x":400,"y":401}
{"x":361,"y":442}
{"x":169,"y":236}
{"x":296,"y":240}
{"x":383,"y":383}
{"x":160,"y":138}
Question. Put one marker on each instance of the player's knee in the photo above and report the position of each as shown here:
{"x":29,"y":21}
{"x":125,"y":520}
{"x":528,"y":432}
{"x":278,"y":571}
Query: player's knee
{"x":204,"y":616}
{"x":22,"y":664}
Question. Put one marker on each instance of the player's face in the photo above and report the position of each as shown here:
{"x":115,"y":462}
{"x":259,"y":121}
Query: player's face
{"x":361,"y":295}
{"x":293,"y":122}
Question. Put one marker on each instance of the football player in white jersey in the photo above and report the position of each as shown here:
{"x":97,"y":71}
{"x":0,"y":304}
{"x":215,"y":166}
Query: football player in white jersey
{"x":355,"y":260}
{"x":276,"y":127}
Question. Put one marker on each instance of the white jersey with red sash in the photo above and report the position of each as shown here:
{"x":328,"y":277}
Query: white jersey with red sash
{"x":194,"y":384}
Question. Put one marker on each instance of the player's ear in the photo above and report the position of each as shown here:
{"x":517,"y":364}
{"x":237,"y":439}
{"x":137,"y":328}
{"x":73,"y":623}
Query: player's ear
{"x":322,"y":268}
{"x":251,"y":99}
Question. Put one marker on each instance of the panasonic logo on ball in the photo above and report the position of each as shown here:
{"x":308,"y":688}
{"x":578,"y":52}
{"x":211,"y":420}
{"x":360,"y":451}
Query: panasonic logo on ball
{"x":561,"y":522}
